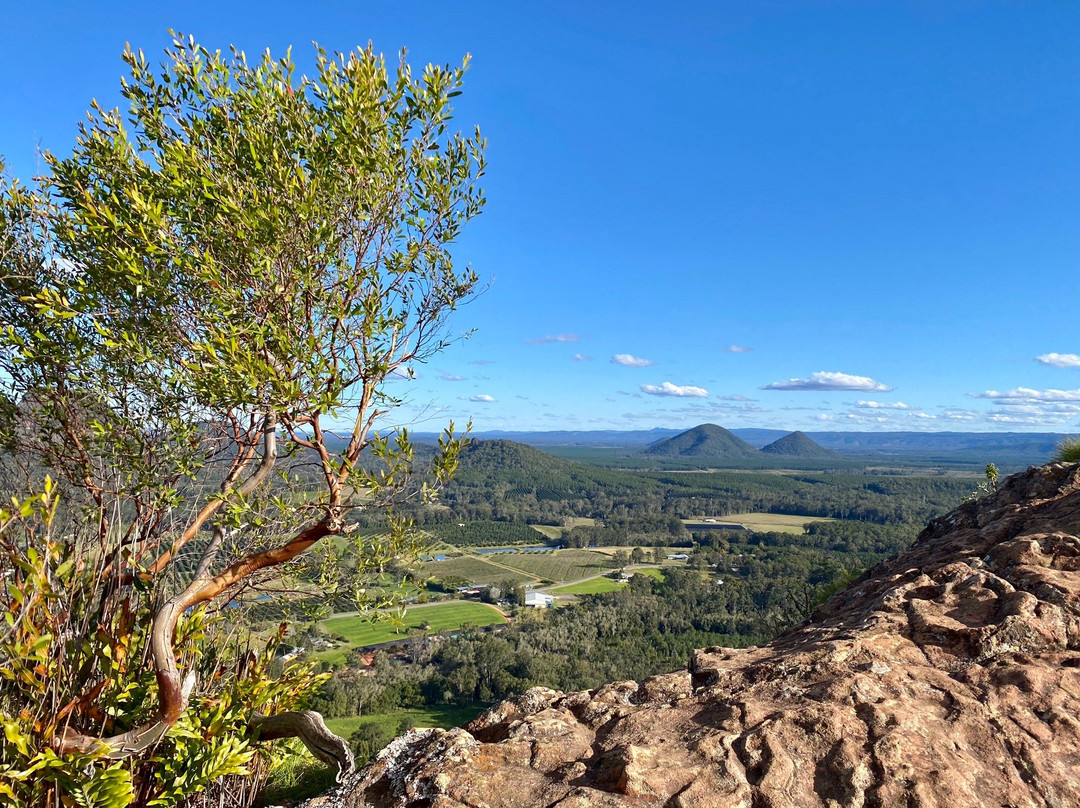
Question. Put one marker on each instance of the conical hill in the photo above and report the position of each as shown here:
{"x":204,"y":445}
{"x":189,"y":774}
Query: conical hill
{"x":798,"y":445}
{"x":707,"y":440}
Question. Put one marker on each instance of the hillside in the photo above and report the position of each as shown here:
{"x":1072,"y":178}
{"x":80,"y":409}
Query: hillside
{"x":705,"y":441}
{"x":515,"y":469}
{"x":1006,"y":449}
{"x":503,"y":480}
{"x":514,"y":462}
{"x":797,"y":444}
{"x":948,"y":675}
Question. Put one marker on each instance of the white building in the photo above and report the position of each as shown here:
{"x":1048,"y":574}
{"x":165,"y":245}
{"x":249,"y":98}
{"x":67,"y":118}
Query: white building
{"x":538,"y":600}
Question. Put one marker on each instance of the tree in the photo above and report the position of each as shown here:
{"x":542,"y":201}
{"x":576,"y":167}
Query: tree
{"x":202,"y":306}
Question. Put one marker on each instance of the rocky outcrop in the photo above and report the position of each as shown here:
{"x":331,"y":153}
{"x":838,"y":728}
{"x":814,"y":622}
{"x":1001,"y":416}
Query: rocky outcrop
{"x":946,"y":676}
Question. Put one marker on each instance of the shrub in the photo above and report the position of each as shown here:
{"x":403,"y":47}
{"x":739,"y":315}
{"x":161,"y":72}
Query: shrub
{"x":1069,"y":450}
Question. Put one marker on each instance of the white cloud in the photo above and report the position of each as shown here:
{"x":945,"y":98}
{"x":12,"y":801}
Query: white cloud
{"x":580,"y":357}
{"x":827,"y":380}
{"x":866,"y":418}
{"x":739,"y":348}
{"x":403,"y":372}
{"x":552,"y":338}
{"x":1060,"y":360}
{"x":735,"y":397}
{"x":450,"y":377}
{"x":669,"y":389}
{"x":483,"y":399}
{"x":1022,"y":407}
{"x":482,"y":362}
{"x":1025,"y":395}
{"x":630,"y":361}
{"x":884,"y":405}
{"x":957,"y":414}
{"x":714,"y":408}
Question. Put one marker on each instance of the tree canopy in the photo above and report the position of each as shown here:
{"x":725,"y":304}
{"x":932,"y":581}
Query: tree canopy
{"x":212,"y":289}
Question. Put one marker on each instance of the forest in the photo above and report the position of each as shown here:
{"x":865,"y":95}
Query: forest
{"x":739,"y":587}
{"x":510,"y":482}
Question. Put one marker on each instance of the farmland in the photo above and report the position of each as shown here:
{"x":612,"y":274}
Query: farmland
{"x":549,"y":531}
{"x":472,"y":569}
{"x":650,"y":572}
{"x":592,"y":586}
{"x":559,"y":565}
{"x":767,"y":522}
{"x":360,"y":632}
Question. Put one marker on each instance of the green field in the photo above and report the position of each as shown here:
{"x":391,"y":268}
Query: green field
{"x":360,"y":632}
{"x":549,"y":531}
{"x":602,"y":583}
{"x":651,"y":572}
{"x":769,"y":522}
{"x":444,"y":716}
{"x":558,"y":565}
{"x":593,"y":586}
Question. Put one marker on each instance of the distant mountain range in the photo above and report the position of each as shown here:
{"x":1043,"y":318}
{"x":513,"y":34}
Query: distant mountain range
{"x":606,"y":438}
{"x":1003,"y":448}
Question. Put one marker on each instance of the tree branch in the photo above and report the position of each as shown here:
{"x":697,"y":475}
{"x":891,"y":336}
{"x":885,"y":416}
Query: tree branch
{"x":172,"y":692}
{"x":309,"y":727}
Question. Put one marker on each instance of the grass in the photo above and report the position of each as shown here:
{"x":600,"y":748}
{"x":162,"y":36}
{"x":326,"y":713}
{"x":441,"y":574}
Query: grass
{"x":361,"y":632}
{"x":1068,"y":450}
{"x":296,"y":777}
{"x":651,"y":572}
{"x":593,"y":586}
{"x":602,"y":583}
{"x":612,"y":549}
{"x":549,"y":531}
{"x":444,"y":716}
{"x":559,"y":565}
{"x":769,"y":522}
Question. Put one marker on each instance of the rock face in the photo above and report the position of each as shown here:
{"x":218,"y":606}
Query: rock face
{"x":946,"y":676}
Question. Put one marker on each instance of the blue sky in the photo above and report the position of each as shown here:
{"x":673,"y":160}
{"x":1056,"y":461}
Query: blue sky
{"x":801,"y":215}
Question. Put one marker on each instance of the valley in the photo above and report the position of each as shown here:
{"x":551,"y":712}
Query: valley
{"x":641,"y":567}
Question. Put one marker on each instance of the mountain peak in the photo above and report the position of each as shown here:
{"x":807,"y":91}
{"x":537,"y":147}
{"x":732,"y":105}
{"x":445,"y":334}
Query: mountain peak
{"x":706,"y":440}
{"x":797,"y":444}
